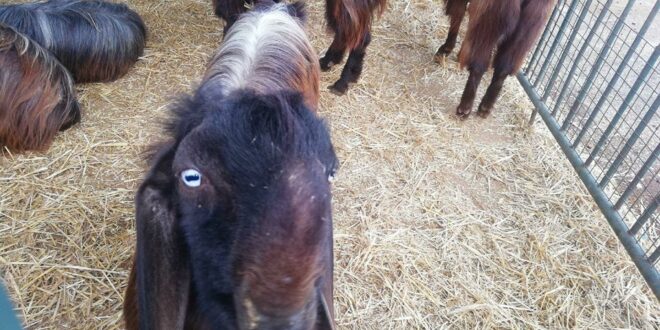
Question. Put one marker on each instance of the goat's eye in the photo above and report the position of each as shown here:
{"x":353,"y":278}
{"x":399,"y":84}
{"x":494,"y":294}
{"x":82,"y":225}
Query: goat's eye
{"x":191,"y":178}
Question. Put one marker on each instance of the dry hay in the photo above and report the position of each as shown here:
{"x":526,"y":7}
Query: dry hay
{"x":438,"y":222}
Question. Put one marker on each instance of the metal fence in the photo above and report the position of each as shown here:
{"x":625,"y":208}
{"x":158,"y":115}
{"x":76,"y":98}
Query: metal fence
{"x":595,"y":82}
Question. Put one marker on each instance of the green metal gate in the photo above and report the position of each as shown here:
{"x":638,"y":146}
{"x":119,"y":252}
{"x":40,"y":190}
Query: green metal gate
{"x":595,"y":82}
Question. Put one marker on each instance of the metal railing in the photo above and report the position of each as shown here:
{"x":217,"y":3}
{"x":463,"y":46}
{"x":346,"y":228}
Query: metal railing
{"x":595,"y":82}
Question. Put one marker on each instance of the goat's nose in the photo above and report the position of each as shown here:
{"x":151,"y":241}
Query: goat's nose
{"x":266,"y":322}
{"x":250,"y":318}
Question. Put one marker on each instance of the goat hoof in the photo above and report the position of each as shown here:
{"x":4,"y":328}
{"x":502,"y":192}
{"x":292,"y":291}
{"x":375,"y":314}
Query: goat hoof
{"x":462,"y":112}
{"x":326,"y":66}
{"x":483,"y":111}
{"x":338,"y":88}
{"x":442,"y":53}
{"x":330,"y":59}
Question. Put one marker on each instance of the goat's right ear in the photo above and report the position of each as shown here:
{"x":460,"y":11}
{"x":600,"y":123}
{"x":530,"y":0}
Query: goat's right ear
{"x":160,"y":277}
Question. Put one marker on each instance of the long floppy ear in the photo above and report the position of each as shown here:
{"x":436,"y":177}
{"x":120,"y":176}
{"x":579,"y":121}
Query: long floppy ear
{"x":326,"y":310}
{"x":161,"y":276}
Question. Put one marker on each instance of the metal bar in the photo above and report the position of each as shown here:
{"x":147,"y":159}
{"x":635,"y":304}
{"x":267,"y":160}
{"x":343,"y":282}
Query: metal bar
{"x":555,"y":43}
{"x":654,"y":257}
{"x":625,"y":105}
{"x":532,"y":118}
{"x":648,"y":271}
{"x":580,"y":54}
{"x":537,"y":52}
{"x":546,"y":32}
{"x":631,"y":141}
{"x":542,"y":41}
{"x":653,"y":243}
{"x":638,"y":177}
{"x":599,"y":63}
{"x":619,"y":72}
{"x":644,"y":217}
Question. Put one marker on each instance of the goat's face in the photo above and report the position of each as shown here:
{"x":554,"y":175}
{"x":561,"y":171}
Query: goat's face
{"x":251,"y":196}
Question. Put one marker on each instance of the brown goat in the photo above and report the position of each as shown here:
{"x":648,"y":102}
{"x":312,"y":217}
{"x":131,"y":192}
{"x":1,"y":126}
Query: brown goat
{"x":36,"y":94}
{"x":349,"y":20}
{"x":508,"y":27}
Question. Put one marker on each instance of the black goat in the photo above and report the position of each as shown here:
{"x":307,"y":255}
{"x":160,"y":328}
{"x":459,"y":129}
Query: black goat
{"x":95,"y":40}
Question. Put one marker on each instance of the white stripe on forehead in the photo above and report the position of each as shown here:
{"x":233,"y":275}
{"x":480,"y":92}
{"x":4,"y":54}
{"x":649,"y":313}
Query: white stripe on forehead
{"x":258,"y":44}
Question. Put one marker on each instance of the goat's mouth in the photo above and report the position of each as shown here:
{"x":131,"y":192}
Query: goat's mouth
{"x":315,"y":315}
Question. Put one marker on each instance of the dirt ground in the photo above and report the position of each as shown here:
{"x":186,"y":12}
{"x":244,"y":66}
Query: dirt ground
{"x":439,"y":223}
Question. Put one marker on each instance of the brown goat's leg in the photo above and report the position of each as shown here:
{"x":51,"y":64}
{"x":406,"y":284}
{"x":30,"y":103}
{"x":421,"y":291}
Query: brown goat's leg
{"x":493,"y":91}
{"x":456,"y":11}
{"x":353,"y":68}
{"x":513,"y":50}
{"x":334,"y":55}
{"x":467,"y":100}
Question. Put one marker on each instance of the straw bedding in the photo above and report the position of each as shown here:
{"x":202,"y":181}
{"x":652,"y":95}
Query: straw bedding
{"x":439,"y":223}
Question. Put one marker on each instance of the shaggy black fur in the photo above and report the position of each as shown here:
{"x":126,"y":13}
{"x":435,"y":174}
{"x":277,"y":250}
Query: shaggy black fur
{"x":94,"y":39}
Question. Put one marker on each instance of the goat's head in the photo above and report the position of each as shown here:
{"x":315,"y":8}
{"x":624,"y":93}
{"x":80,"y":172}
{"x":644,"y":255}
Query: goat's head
{"x":239,"y":205}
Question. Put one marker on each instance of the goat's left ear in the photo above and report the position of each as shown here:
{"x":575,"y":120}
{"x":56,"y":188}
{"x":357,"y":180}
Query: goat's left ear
{"x":326,"y":310}
{"x":160,"y":275}
{"x":299,"y":10}
{"x":325,"y":318}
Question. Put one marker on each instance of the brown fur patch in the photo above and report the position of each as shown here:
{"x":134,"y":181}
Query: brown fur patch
{"x":510,"y":26}
{"x":490,"y":23}
{"x":533,"y":17}
{"x":36,"y":94}
{"x":353,"y":18}
{"x":281,"y":270}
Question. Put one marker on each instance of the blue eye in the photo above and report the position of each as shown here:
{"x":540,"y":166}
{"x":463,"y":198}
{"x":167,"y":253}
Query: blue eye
{"x":191,"y":178}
